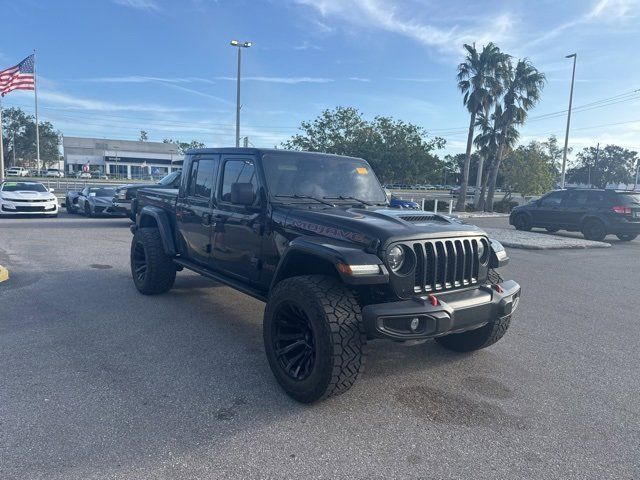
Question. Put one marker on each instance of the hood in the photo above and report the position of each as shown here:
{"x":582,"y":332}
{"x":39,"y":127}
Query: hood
{"x":101,"y":200}
{"x":28,"y":195}
{"x":375,"y":225}
{"x":136,"y":186}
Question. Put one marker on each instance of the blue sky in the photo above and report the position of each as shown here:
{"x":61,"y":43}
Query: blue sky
{"x":109,"y":68}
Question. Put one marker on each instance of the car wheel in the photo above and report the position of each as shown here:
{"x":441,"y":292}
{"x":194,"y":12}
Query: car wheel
{"x":522,"y":222}
{"x":68,"y":205}
{"x":594,"y":230}
{"x":552,"y":230}
{"x":314,"y":337}
{"x":153,"y":271}
{"x":87,"y":211}
{"x":627,"y":237}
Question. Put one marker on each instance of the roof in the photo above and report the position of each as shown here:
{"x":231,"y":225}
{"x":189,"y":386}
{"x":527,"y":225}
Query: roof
{"x":253,"y":151}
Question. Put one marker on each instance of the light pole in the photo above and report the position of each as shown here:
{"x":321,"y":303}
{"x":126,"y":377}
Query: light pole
{"x":566,"y":135}
{"x":240,"y":46}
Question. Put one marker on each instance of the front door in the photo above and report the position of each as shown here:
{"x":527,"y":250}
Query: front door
{"x":550,"y":212}
{"x":194,"y":208}
{"x":237,"y":234}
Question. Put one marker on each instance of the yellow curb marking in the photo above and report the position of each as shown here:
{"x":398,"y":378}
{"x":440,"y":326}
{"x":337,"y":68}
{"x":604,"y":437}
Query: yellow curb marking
{"x":4,"y":274}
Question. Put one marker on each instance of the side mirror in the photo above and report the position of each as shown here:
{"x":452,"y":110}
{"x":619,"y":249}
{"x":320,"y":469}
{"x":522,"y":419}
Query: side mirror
{"x":242,"y":193}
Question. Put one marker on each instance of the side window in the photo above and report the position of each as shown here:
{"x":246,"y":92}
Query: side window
{"x":202,"y":178}
{"x":553,"y":199}
{"x":577,"y":199}
{"x":237,"y":171}
{"x":596,"y":199}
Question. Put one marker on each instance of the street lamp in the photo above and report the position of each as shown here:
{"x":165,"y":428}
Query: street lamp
{"x":566,"y":135}
{"x":240,"y":46}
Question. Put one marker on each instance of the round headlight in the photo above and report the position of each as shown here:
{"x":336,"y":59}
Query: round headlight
{"x":481,"y":249}
{"x":395,"y":258}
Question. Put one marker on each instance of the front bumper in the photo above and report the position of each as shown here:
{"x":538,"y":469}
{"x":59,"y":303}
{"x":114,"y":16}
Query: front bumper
{"x":28,"y":208}
{"x":122,"y":206}
{"x":453,"y":312}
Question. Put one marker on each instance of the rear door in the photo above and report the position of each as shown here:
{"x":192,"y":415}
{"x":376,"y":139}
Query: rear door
{"x":193,"y":208}
{"x":576,"y":205}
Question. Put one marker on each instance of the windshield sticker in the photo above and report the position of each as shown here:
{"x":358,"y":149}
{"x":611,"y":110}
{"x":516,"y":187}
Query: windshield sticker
{"x":332,"y":232}
{"x":362,"y":170}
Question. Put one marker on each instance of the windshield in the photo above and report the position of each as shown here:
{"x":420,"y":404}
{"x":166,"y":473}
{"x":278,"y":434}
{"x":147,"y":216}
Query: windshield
{"x":102,"y":192}
{"x":321,"y":176}
{"x":23,"y":187}
{"x":168,"y":180}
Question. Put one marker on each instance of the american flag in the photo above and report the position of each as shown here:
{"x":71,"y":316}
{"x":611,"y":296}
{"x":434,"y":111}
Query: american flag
{"x":19,"y":77}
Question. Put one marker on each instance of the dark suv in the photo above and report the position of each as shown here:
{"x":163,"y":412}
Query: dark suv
{"x":312,"y":235}
{"x":595,"y":213}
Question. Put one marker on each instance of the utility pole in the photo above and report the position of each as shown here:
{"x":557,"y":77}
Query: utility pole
{"x":595,"y":166}
{"x":239,"y":46}
{"x":635,"y":185}
{"x":13,"y":147}
{"x":566,"y":135}
{"x":246,"y":142}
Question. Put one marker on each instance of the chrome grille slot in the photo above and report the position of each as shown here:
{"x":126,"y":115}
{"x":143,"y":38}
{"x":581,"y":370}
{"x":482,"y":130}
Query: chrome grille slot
{"x":446,"y":264}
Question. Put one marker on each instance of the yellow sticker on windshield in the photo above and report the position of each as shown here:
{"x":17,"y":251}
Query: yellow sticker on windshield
{"x":362,"y":170}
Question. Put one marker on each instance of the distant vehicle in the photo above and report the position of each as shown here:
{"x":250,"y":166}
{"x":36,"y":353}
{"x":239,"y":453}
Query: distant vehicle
{"x":595,"y":213}
{"x":54,"y":172}
{"x":92,"y":201}
{"x":27,"y":198}
{"x":84,"y":175}
{"x":456,"y":191}
{"x":125,"y":199}
{"x":16,"y":172}
{"x":99,"y":175}
{"x":396,"y":202}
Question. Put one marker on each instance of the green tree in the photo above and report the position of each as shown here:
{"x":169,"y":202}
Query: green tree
{"x":523,"y":84}
{"x":555,"y":151}
{"x":19,"y":138}
{"x":529,"y":170}
{"x":397,"y":151}
{"x":144,"y":136}
{"x":614,"y":165}
{"x":487,"y":142}
{"x":184,"y":146}
{"x":479,"y":81}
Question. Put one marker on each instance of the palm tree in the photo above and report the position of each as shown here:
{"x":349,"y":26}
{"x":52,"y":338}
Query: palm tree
{"x":522,"y":87}
{"x":478,"y":80}
{"x":487,"y":144}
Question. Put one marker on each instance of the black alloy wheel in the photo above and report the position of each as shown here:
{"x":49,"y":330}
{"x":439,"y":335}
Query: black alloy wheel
{"x":294,"y":341}
{"x":139,"y":262}
{"x":522,"y":222}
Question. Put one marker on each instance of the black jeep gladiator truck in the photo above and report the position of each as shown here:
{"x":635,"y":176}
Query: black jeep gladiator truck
{"x":311,"y":235}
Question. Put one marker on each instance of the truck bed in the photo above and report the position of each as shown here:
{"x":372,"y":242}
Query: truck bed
{"x":164,"y":198}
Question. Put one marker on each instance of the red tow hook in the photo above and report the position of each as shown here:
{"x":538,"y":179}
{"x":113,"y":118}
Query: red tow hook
{"x":498,"y":288}
{"x":434,"y":301}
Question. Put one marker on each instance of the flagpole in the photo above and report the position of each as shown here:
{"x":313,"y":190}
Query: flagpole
{"x":35,"y":92}
{"x":1,"y":146}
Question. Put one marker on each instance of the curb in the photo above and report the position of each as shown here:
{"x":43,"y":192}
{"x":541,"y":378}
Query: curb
{"x":4,"y":274}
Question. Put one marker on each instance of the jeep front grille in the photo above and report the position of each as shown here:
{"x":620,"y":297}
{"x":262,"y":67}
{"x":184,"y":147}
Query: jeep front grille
{"x":446,"y":264}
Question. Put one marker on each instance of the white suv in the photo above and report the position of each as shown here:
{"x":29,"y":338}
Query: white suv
{"x":17,"y":172}
{"x":27,"y":198}
{"x":54,"y":172}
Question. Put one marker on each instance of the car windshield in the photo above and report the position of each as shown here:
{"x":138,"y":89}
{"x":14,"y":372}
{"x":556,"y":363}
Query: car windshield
{"x":321,"y":176}
{"x":23,"y":187}
{"x":168,"y":180}
{"x":102,"y":192}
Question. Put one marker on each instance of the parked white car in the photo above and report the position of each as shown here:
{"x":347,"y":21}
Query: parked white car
{"x":54,"y":172}
{"x":16,"y":172}
{"x":27,"y":198}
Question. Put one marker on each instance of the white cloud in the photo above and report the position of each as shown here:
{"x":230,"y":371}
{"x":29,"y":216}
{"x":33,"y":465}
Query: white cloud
{"x":76,"y":103}
{"x":384,"y":15}
{"x":147,"y":5}
{"x":287,"y":80}
{"x":360,"y":79}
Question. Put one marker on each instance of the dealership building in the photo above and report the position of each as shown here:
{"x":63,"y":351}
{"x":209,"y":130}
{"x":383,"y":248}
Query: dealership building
{"x":120,"y":158}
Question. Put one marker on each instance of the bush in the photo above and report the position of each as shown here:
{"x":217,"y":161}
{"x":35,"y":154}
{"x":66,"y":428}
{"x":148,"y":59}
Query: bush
{"x":504,"y":206}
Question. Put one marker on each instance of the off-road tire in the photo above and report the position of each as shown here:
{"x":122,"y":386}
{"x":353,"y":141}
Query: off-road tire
{"x":335,"y":320}
{"x":627,"y":237}
{"x":481,"y":337}
{"x":522,"y":222}
{"x":594,"y":230}
{"x":160,"y":271}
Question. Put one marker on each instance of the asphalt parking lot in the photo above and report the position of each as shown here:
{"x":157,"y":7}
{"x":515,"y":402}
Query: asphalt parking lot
{"x":97,"y":381}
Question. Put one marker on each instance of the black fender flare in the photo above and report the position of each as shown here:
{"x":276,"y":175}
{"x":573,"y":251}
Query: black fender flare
{"x":161,"y":220}
{"x":335,"y":252}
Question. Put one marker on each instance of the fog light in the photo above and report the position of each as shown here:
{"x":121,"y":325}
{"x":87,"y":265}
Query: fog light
{"x":415,"y":323}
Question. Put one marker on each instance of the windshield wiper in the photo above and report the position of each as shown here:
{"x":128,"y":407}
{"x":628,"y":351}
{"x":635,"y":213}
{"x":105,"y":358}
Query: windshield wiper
{"x":307,"y":197}
{"x":342,"y":197}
